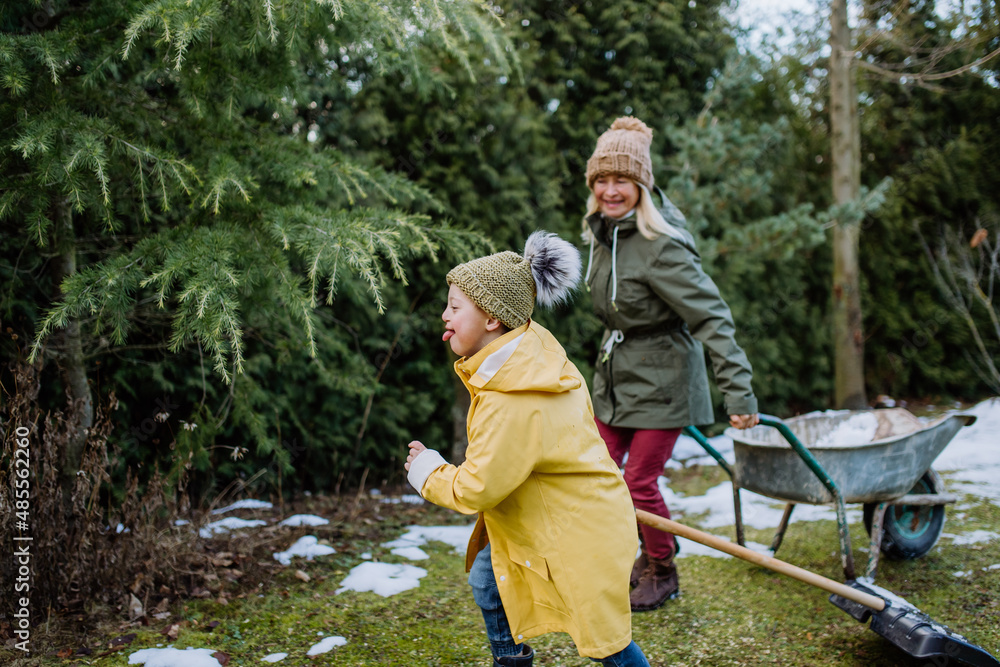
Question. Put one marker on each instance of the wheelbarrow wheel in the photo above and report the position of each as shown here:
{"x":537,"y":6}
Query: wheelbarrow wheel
{"x":910,"y":531}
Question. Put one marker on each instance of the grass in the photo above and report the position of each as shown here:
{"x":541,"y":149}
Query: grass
{"x":730,"y":612}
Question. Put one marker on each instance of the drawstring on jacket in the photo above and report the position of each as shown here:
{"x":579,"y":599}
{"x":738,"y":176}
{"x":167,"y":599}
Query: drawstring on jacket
{"x":614,"y":266}
{"x":616,"y":336}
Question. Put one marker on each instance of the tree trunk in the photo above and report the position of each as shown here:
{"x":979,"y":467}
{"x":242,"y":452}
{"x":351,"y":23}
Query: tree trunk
{"x":848,"y":338}
{"x":69,"y":350}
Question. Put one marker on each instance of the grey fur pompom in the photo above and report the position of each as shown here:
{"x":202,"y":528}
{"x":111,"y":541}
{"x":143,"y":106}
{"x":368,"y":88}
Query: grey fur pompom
{"x":555,"y":265}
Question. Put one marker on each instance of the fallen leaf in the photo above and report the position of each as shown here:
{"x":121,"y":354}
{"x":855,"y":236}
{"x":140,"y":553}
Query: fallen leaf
{"x":65,"y":653}
{"x":221,"y":657}
{"x":299,"y":574}
{"x":171,"y":631}
{"x":212,"y":626}
{"x":134,"y":607}
{"x":221,"y":600}
{"x":122,"y":640}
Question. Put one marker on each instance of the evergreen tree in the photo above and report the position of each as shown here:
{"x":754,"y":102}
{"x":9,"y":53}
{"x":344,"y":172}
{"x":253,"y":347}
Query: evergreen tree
{"x":160,"y":189}
{"x":929,"y":121}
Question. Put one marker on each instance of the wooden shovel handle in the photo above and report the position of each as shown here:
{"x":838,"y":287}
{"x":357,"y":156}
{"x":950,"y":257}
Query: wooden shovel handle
{"x":779,"y":566}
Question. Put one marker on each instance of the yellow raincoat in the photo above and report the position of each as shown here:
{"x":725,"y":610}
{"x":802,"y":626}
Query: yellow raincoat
{"x":550,"y":500}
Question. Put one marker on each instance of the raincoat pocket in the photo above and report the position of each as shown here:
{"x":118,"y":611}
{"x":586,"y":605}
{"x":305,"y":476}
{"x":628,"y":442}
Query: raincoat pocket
{"x":528,"y":559}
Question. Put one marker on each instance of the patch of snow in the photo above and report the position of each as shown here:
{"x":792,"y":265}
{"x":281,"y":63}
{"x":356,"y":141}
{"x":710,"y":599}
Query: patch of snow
{"x":407,"y":498}
{"x":307,"y":547}
{"x":274,"y":657}
{"x":758,"y":511}
{"x":972,"y":458}
{"x":888,"y":595}
{"x":411,"y":553}
{"x":854,"y":430}
{"x":687,"y":450}
{"x":417,"y":536}
{"x":385,"y":579}
{"x":691,"y":548}
{"x":173,"y":657}
{"x":304,"y":520}
{"x":228,"y":524}
{"x":991,"y":567}
{"x":181,"y":522}
{"x":961,"y":573}
{"x":247,"y":504}
{"x":974,"y":537}
{"x":366,"y":556}
{"x":326,"y":645}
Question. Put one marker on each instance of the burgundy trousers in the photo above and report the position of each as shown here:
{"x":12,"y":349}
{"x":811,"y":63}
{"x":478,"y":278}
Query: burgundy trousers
{"x":648,"y":452}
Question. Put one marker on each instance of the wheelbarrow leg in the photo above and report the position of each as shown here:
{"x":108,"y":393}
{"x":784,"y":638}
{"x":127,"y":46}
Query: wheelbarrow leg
{"x":782,"y":527}
{"x":847,"y":556}
{"x":699,"y":437}
{"x":875,"y":546}
{"x":738,"y":510}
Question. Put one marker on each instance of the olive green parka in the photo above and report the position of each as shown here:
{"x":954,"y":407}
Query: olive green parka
{"x":659,"y":307}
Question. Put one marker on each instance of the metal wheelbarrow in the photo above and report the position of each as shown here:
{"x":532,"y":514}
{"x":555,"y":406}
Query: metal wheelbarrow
{"x":796,"y":461}
{"x":903,"y":497}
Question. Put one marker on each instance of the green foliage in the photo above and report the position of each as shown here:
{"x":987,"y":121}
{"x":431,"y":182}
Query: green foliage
{"x":157,"y":148}
{"x":932,"y":141}
{"x":262,"y":199}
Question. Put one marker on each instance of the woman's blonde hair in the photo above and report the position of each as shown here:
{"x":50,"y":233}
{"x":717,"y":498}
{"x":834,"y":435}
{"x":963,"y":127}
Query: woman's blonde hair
{"x":647,"y":217}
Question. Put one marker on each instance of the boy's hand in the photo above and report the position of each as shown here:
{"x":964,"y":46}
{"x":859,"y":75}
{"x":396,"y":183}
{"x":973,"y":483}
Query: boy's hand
{"x":416,"y":447}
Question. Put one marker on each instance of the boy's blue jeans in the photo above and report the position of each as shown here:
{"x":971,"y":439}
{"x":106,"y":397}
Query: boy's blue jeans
{"x":502,"y":643}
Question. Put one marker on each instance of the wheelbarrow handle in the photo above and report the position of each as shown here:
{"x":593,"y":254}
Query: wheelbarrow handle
{"x":779,"y":566}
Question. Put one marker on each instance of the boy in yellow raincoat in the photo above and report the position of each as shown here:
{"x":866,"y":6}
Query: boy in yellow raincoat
{"x":556,"y":535}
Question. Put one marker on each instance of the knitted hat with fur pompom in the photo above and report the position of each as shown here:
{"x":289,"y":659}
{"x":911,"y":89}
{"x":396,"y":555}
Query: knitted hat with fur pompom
{"x":623,"y":149}
{"x":505,"y":285}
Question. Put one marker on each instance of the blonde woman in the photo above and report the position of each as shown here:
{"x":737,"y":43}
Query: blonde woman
{"x":661,"y":311}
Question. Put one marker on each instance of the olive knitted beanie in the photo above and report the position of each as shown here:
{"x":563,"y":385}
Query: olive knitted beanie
{"x":506,"y":284}
{"x":623,"y":149}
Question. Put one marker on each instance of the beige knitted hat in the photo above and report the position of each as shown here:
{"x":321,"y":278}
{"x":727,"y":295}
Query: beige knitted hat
{"x":504,"y":285}
{"x":623,"y":149}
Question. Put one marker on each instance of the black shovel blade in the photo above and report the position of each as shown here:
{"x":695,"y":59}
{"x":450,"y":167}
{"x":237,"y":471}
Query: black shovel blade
{"x":914,"y":632}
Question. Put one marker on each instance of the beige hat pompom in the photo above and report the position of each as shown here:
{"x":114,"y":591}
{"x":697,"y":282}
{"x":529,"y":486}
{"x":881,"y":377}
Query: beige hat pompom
{"x":632,"y":124}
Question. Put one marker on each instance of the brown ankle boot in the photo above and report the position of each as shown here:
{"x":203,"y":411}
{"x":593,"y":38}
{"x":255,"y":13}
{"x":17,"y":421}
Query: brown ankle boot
{"x":657,"y":584}
{"x":641,"y":563}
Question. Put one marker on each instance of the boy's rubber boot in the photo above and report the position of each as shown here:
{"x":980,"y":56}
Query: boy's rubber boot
{"x":657,"y":584}
{"x":523,"y":660}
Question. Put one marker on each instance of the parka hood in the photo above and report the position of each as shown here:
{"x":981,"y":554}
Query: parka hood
{"x":527,"y":358}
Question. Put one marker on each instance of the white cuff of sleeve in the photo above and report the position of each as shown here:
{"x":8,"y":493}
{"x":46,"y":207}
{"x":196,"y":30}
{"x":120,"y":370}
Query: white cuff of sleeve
{"x":421,"y":468}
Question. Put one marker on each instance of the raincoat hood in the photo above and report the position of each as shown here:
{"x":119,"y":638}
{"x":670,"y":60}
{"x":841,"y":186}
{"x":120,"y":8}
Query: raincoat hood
{"x":501,"y":365}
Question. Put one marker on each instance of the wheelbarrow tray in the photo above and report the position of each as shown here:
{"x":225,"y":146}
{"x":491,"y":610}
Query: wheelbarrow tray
{"x":866,"y":472}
